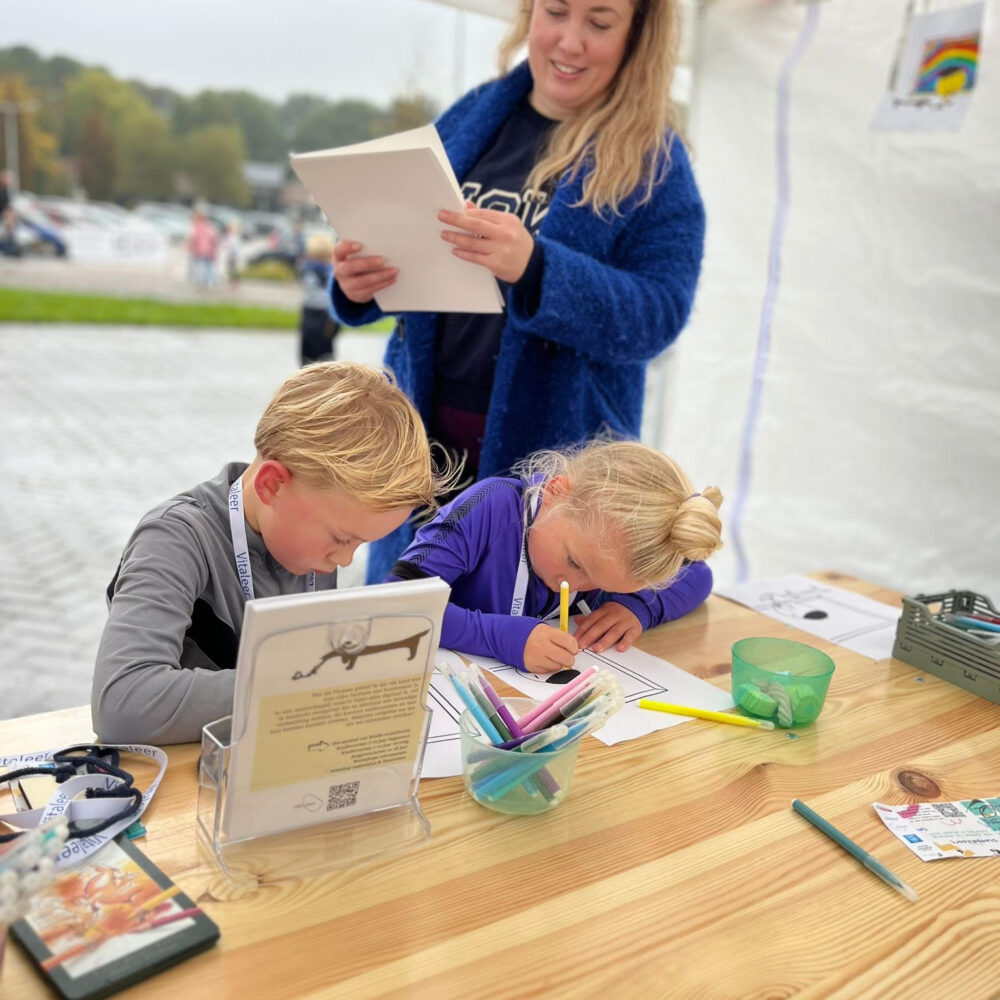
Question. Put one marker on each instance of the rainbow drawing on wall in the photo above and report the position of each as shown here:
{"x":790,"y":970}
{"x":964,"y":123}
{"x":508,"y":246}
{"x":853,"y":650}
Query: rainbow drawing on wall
{"x":948,"y":66}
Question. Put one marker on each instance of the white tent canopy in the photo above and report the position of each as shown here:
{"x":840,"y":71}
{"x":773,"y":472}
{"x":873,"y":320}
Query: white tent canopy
{"x":876,"y":448}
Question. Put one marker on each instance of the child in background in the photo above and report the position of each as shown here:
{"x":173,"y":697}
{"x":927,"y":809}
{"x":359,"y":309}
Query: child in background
{"x":342,"y":458}
{"x":202,"y":245}
{"x":617,"y":520}
{"x":230,"y":252}
{"x":317,"y":328}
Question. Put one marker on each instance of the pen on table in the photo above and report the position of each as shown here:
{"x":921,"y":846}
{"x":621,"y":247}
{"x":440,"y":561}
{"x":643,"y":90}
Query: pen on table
{"x":855,"y":850}
{"x":564,"y":606}
{"x":965,"y":621}
{"x":704,"y":713}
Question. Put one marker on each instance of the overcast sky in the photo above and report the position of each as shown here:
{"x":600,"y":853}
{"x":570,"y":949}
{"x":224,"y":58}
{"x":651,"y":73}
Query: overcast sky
{"x":376,"y":49}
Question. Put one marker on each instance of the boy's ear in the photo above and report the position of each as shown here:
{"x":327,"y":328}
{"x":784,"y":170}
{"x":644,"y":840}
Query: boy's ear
{"x":271,"y":478}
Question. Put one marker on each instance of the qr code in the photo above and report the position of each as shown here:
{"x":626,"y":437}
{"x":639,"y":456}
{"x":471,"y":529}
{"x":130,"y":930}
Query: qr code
{"x":342,"y":796}
{"x":947,"y":809}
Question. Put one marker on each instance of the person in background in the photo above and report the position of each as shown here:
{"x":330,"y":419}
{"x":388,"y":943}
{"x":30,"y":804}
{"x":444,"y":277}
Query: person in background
{"x":582,"y":202}
{"x":202,"y":245}
{"x":317,"y":328}
{"x":229,"y":250}
{"x":8,"y":217}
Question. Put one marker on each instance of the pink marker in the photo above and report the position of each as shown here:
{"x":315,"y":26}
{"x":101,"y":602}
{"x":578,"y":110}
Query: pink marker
{"x":533,"y":713}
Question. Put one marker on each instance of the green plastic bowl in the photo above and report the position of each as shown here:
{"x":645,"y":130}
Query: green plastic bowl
{"x":780,"y":680}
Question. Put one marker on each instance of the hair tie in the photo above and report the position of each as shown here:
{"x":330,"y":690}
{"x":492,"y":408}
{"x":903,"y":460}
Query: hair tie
{"x":693,"y":495}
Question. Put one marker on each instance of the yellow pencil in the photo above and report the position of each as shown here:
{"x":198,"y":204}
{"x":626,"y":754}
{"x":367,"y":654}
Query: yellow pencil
{"x":564,"y":606}
{"x":704,"y":713}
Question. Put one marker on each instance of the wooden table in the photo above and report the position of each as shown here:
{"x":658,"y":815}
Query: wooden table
{"x":675,"y":868}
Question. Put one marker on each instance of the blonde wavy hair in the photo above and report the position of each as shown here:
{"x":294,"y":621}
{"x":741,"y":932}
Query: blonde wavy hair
{"x":636,"y":496}
{"x":623,"y":135}
{"x":348,"y":427}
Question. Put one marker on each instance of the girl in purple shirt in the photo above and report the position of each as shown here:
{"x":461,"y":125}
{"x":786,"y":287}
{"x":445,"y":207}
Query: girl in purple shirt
{"x":618,"y":521}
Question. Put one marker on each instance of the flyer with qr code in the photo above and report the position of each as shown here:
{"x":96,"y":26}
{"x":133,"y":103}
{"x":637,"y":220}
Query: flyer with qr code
{"x":330,"y":709}
{"x":969,"y":828}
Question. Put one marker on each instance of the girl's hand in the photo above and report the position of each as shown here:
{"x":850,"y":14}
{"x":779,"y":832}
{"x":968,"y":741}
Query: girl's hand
{"x":360,"y":277}
{"x":611,"y":623}
{"x":495,"y":240}
{"x":548,"y":650}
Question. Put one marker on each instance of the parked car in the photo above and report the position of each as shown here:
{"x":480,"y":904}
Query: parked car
{"x":34,"y":233}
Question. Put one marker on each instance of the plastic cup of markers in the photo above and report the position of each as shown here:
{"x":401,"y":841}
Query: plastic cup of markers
{"x":508,"y":781}
{"x":780,"y":680}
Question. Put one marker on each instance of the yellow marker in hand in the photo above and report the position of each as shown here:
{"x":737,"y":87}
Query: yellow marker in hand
{"x":564,"y":606}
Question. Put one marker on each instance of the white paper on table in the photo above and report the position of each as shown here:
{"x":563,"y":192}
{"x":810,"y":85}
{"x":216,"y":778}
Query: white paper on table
{"x":851,"y":620}
{"x":386,"y":195}
{"x":969,"y":828}
{"x":640,"y":674}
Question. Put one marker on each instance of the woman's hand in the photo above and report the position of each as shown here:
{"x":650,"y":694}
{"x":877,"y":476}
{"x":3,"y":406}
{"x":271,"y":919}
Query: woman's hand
{"x":611,"y":623}
{"x":495,"y":240}
{"x":360,"y":277}
{"x":548,"y":650}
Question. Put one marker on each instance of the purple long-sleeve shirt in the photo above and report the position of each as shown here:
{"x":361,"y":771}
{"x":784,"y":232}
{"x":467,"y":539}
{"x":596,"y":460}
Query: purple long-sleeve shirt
{"x":474,"y":544}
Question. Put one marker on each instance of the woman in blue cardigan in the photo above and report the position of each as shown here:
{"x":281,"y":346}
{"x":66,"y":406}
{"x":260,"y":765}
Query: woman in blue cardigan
{"x":582,"y":203}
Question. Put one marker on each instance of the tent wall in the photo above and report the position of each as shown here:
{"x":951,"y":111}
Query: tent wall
{"x":877,"y":449}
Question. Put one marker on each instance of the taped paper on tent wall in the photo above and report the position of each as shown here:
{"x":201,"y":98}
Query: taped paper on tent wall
{"x":936,"y":71}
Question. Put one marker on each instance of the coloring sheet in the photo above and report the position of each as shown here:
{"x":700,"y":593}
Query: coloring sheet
{"x":855,"y":622}
{"x":640,"y":675}
{"x":936,"y":71}
{"x":935,"y":830}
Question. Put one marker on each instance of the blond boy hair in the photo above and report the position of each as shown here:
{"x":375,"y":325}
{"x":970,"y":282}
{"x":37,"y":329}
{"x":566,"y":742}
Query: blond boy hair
{"x":638,"y":500}
{"x":348,"y":427}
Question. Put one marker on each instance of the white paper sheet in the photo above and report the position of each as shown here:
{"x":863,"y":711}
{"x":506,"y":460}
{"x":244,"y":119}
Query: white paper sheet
{"x":851,"y":620}
{"x":386,"y":195}
{"x":936,"y":72}
{"x":640,"y":675}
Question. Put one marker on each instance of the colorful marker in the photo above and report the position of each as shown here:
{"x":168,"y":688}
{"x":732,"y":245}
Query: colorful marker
{"x":704,"y":713}
{"x":564,"y":606}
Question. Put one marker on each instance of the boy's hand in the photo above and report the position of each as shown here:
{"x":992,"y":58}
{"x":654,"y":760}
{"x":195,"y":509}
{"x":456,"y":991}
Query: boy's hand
{"x":611,"y":623}
{"x":496,"y":240}
{"x":548,"y":650}
{"x":360,"y":277}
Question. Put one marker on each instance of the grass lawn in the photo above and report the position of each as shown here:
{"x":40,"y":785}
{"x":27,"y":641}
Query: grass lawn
{"x":23,"y":305}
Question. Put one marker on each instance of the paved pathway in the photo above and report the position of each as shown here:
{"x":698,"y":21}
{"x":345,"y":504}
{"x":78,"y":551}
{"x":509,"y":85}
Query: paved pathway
{"x":100,"y":424}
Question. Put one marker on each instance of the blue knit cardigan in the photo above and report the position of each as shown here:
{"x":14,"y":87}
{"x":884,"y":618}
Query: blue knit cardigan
{"x":615,"y":292}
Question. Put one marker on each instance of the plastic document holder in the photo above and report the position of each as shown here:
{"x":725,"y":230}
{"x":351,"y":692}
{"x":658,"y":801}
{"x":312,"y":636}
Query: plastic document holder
{"x":318,"y":766}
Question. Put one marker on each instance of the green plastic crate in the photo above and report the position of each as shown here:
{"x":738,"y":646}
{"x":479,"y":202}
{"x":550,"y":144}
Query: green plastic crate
{"x":944,"y":650}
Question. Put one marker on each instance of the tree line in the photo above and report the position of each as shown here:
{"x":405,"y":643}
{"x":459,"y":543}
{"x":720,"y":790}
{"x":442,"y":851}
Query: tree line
{"x":127,"y":141}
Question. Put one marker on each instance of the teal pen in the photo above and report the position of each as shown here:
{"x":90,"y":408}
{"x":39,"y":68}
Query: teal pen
{"x":488,"y":708}
{"x":472,"y":705}
{"x":872,"y":864}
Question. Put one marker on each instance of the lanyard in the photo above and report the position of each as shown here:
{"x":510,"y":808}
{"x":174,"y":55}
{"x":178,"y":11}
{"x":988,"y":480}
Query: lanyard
{"x":241,"y":549}
{"x":88,"y":810}
{"x":523,"y":573}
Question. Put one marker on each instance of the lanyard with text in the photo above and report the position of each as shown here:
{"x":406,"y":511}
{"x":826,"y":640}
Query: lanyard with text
{"x":523,"y":573}
{"x":64,"y":801}
{"x":241,"y":549}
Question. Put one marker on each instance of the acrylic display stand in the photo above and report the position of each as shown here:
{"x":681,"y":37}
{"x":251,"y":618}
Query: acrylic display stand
{"x":319,"y":764}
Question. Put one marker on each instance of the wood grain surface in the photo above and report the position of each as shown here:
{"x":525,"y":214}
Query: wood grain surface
{"x":674,"y":868}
